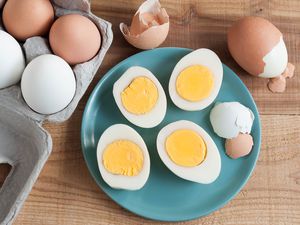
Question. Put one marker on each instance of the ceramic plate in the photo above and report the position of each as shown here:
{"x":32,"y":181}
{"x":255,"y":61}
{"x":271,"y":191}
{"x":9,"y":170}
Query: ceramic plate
{"x":165,"y":196}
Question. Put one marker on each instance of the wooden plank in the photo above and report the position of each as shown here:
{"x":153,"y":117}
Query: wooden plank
{"x":65,"y":193}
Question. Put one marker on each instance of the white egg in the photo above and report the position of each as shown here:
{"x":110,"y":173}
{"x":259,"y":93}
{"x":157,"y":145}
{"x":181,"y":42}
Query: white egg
{"x":123,"y":132}
{"x":207,"y":171}
{"x":12,"y":61}
{"x":48,"y":84}
{"x":275,"y":61}
{"x":204,"y":57}
{"x":228,"y":119}
{"x":157,"y":113}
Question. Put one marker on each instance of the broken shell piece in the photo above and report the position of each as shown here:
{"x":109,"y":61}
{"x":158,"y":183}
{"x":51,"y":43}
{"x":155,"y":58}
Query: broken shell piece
{"x":239,"y":146}
{"x":149,"y":27}
{"x":278,"y":84}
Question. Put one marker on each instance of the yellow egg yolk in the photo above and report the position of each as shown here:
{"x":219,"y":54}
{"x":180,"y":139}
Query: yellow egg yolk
{"x":195,"y":83}
{"x":140,"y":96}
{"x":123,"y":157}
{"x":186,"y":148}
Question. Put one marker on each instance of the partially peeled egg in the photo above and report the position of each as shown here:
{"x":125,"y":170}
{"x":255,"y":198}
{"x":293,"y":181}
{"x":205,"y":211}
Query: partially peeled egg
{"x":259,"y":48}
{"x":149,"y":27}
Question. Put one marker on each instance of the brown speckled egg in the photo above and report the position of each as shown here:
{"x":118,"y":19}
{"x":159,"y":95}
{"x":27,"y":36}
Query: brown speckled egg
{"x":75,"y":38}
{"x":27,"y":18}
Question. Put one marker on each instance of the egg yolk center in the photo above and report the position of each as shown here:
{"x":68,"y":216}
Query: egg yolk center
{"x":123,"y":157}
{"x":140,"y":96}
{"x":186,"y":148}
{"x":195,"y":83}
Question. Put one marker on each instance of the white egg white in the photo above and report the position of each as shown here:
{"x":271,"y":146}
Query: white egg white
{"x":206,"y":172}
{"x":275,"y":61}
{"x":149,"y":119}
{"x":123,"y":132}
{"x":205,"y":57}
{"x":228,"y":119}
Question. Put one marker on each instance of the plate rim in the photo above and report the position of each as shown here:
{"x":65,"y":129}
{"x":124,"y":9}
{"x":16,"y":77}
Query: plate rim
{"x":174,"y":219}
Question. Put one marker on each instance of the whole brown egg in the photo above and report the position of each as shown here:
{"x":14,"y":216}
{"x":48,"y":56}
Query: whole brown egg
{"x":27,"y":18}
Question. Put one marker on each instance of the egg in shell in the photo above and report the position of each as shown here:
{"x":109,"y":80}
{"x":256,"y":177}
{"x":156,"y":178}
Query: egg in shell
{"x":233,"y":121}
{"x":196,"y":80}
{"x":140,"y":97}
{"x":189,"y":152}
{"x":149,"y":27}
{"x":258,"y":47}
{"x":123,"y":158}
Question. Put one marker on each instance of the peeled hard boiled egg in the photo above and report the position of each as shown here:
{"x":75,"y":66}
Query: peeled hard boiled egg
{"x":196,"y":80}
{"x":233,"y":121}
{"x":27,"y":18}
{"x":189,"y":152}
{"x":48,"y":84}
{"x":12,"y":62}
{"x":123,"y":158}
{"x":140,"y":97}
{"x":258,"y":47}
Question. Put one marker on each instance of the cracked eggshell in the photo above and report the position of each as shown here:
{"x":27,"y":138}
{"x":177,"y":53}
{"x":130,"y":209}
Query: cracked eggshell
{"x":258,"y":47}
{"x":149,"y":27}
{"x":228,"y":119}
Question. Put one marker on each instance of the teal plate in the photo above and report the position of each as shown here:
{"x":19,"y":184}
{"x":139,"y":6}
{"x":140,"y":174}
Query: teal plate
{"x":165,"y":196}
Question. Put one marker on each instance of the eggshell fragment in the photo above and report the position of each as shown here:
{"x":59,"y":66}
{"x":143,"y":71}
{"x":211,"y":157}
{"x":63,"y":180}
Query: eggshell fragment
{"x":149,"y":27}
{"x":228,"y":119}
{"x":239,"y":146}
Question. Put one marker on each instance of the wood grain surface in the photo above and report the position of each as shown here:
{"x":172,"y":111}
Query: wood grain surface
{"x":65,"y":193}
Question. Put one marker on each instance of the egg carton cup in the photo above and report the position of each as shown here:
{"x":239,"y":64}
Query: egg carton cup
{"x":24,"y":144}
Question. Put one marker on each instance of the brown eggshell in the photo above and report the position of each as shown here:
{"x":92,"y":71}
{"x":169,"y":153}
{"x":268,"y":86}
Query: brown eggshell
{"x":239,"y":146}
{"x":75,"y":38}
{"x":27,"y":18}
{"x":149,"y":27}
{"x":249,"y":40}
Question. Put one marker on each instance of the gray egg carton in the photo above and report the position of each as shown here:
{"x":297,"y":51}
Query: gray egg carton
{"x":24,"y":144}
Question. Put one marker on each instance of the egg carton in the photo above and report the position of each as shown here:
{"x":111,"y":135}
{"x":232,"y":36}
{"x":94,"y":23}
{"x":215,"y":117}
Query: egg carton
{"x":24,"y":144}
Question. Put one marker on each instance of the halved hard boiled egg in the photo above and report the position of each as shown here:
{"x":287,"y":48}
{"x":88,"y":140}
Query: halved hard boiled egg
{"x":123,"y":158}
{"x":189,"y":152}
{"x":196,"y":80}
{"x":140,"y":97}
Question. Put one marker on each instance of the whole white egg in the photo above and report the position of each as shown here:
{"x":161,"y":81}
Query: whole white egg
{"x":12,"y":62}
{"x":209,"y":62}
{"x":48,"y":84}
{"x":207,"y":171}
{"x":125,"y":162}
{"x":141,"y":95}
{"x":228,"y":119}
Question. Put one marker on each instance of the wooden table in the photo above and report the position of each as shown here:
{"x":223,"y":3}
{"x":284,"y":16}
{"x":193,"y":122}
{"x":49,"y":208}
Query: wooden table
{"x":65,"y":193}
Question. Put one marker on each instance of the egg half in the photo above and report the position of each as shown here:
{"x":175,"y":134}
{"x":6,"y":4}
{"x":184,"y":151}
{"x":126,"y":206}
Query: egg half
{"x":140,"y":97}
{"x":189,"y":152}
{"x":196,"y":80}
{"x":123,"y":158}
